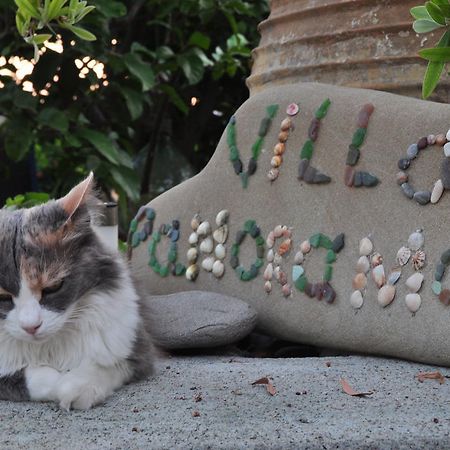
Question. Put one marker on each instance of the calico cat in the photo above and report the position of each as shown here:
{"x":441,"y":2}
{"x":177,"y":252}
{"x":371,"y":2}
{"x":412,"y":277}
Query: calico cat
{"x":72,"y":326}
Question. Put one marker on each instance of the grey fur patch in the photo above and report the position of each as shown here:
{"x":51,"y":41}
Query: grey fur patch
{"x":14,"y":388}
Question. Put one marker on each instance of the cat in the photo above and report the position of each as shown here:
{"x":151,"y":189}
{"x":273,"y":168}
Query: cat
{"x":72,"y":326}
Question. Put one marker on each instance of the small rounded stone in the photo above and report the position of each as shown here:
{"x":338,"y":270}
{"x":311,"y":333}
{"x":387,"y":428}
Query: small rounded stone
{"x":286,"y":124}
{"x":349,"y":176}
{"x":413,"y":151}
{"x":356,"y":300}
{"x":447,"y":136}
{"x":444,"y":297}
{"x":445,"y":257}
{"x":416,"y":240}
{"x":431,"y":139}
{"x":437,"y":191}
{"x":422,"y":197}
{"x":386,"y":295}
{"x":436,"y":287}
{"x":359,"y":282}
{"x":413,"y":302}
{"x":365,"y":247}
{"x":305,"y":247}
{"x":401,"y":177}
{"x":279,"y":149}
{"x":283,"y":136}
{"x":439,"y":272}
{"x":447,"y":149}
{"x":445,"y":173}
{"x":404,"y":163}
{"x":422,"y":143}
{"x":276,"y":161}
{"x":408,"y":190}
{"x":441,"y":140}
{"x":299,"y":258}
{"x":364,"y":115}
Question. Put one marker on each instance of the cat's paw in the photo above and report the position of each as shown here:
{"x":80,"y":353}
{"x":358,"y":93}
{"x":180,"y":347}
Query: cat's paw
{"x":78,"y":392}
{"x":41,"y":382}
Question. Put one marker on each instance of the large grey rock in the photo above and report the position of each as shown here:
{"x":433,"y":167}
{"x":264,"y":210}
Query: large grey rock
{"x":198,"y":319}
{"x":383,"y":211}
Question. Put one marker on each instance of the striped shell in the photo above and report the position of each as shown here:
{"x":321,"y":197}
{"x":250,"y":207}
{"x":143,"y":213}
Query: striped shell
{"x":403,"y":256}
{"x":418,"y":259}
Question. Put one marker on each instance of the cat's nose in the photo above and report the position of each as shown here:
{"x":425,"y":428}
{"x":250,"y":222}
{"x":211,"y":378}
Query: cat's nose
{"x":32,"y":330}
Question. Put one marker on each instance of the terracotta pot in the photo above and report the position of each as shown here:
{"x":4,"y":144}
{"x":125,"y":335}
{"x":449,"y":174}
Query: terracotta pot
{"x":358,"y":43}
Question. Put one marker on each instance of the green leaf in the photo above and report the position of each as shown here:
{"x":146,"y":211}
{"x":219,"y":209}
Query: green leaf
{"x":436,"y":54}
{"x":54,"y":9}
{"x":39,"y":39}
{"x":444,"y":6}
{"x":192,"y":67}
{"x":24,"y":100}
{"x":435,"y":12}
{"x":175,"y":98}
{"x":199,"y":40}
{"x":420,"y":12}
{"x":84,"y":12}
{"x":27,"y":7}
{"x":111,"y":9}
{"x":425,"y":26}
{"x":54,"y":118}
{"x":103,"y":144}
{"x":141,"y":70}
{"x":434,"y":69}
{"x":81,"y":33}
{"x":128,"y":180}
{"x":134,"y":101}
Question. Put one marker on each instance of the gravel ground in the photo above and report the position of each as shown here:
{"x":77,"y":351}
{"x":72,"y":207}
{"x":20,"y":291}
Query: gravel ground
{"x":209,"y":402}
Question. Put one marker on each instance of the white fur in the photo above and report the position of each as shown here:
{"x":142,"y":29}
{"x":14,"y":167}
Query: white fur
{"x":83,"y":350}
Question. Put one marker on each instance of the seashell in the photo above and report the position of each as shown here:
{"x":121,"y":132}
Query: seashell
{"x":403,"y":256}
{"x":414,"y":282}
{"x":193,"y":238}
{"x":413,"y":302}
{"x":222,"y":217}
{"x":218,"y":269}
{"x":416,"y":240}
{"x":386,"y":295}
{"x":273,"y":174}
{"x":297,"y":272}
{"x":286,"y":290}
{"x":282,"y":278}
{"x":208,"y":263}
{"x":195,"y":222}
{"x":278,"y":231}
{"x":363,"y":265}
{"x":276,"y":161}
{"x":356,"y":300}
{"x":268,"y":287}
{"x":192,"y":272}
{"x":207,"y":245}
{"x":365,"y":247}
{"x":270,"y":241}
{"x":220,"y":251}
{"x":379,"y":276}
{"x":287,"y":233}
{"x":299,"y":258}
{"x":279,"y":149}
{"x":276,"y":272}
{"x":376,"y":260}
{"x":270,"y":255}
{"x":286,"y":124}
{"x":221,"y":234}
{"x":359,"y":282}
{"x":268,"y":273}
{"x":192,"y":255}
{"x":394,"y":276}
{"x":305,"y":247}
{"x":441,"y":139}
{"x":437,"y":191}
{"x":284,"y":247}
{"x":418,"y":259}
{"x":283,"y":136}
{"x":292,"y":109}
{"x":204,"y":228}
{"x":277,"y":259}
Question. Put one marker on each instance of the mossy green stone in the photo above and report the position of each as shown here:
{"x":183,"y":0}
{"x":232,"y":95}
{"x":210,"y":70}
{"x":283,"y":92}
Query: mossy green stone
{"x":315,"y":240}
{"x":239,"y":271}
{"x":246,"y":276}
{"x":436,"y":287}
{"x":244,"y":179}
{"x":179,"y":269}
{"x":164,"y":271}
{"x":234,"y":153}
{"x":259,"y":240}
{"x":272,"y":110}
{"x":152,"y":261}
{"x":307,"y":150}
{"x":328,"y":274}
{"x":259,"y":263}
{"x":326,"y":242}
{"x":157,"y":236}
{"x":260,"y":251}
{"x":150,"y":213}
{"x":358,"y":137}
{"x":254,"y":271}
{"x":157,"y":267}
{"x":331,"y":257}
{"x":135,"y":239}
{"x":301,"y":283}
{"x":152,"y":247}
{"x":231,"y":134}
{"x":172,"y":257}
{"x":264,"y":126}
{"x":235,"y":250}
{"x":323,"y":109}
{"x":133,"y":225}
{"x":248,"y":225}
{"x":257,"y":147}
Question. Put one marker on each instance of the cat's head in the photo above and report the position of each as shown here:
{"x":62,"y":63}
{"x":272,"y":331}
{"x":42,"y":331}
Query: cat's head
{"x":50,"y":262}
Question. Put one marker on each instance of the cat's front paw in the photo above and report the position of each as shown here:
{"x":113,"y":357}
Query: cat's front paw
{"x":41,"y":382}
{"x":77,"y":392}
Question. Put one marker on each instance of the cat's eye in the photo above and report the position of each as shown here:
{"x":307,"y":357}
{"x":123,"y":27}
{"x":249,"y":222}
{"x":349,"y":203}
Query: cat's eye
{"x":53,"y":289}
{"x":5,"y":298}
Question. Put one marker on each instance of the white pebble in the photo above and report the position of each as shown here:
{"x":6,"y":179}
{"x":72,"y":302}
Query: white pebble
{"x":437,"y":192}
{"x":365,"y":247}
{"x":447,"y":149}
{"x":413,"y":302}
{"x":356,"y":300}
{"x":448,"y":135}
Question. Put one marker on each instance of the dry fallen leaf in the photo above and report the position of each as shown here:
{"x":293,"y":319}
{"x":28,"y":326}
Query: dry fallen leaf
{"x":195,"y":413}
{"x":269,"y":386}
{"x":350,"y":391}
{"x":422,"y":376}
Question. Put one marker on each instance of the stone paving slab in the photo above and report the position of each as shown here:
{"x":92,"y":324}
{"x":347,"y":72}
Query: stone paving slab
{"x":309,"y":410}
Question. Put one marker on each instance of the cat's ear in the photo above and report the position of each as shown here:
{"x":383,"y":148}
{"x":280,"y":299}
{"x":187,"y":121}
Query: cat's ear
{"x":77,"y":196}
